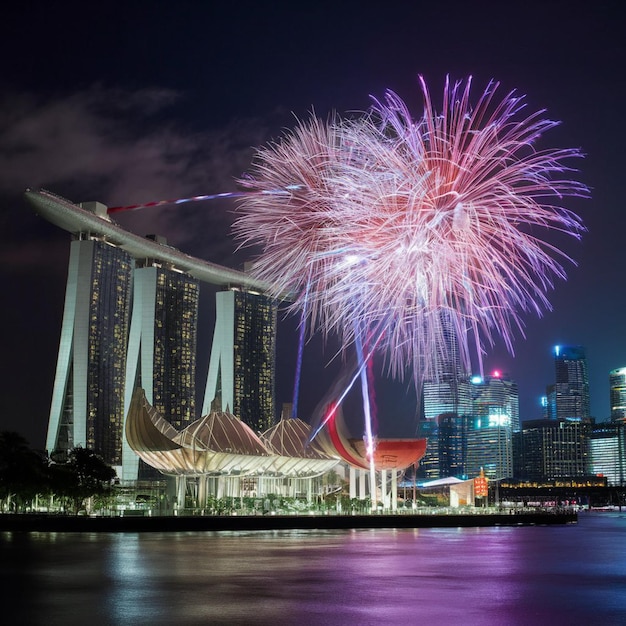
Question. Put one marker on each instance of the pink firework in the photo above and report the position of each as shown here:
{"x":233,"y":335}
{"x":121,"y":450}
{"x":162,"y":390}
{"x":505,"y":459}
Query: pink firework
{"x":410,"y":226}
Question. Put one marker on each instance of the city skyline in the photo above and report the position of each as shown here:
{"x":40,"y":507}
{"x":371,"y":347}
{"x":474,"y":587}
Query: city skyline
{"x":123,"y":124}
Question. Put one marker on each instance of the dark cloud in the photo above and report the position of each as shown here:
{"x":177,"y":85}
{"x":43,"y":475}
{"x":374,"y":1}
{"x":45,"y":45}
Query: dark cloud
{"x":119,"y":147}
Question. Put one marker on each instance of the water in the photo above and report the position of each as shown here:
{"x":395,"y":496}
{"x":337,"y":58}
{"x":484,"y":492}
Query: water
{"x":511,"y":576}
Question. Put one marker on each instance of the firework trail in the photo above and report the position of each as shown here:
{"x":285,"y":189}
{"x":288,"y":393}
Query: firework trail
{"x":413,"y":221}
{"x":367,"y":414}
{"x":146,"y":205}
{"x":300,"y":355}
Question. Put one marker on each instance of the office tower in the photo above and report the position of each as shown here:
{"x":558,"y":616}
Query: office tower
{"x":451,"y":437}
{"x":449,"y":397}
{"x":490,"y":448}
{"x":446,"y":401}
{"x":617,"y":386}
{"x":495,"y":399}
{"x":495,"y":416}
{"x":571,"y":386}
{"x":88,"y":397}
{"x":608,"y":452}
{"x":446,"y":405}
{"x":242,"y":365}
{"x":554,"y":449}
{"x":429,"y":465}
{"x":448,"y":391}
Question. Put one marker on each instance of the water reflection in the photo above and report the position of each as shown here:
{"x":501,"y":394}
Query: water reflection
{"x":534,"y":575}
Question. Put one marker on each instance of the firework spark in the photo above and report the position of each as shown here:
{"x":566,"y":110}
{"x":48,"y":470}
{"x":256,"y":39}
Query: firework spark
{"x":414,"y":224}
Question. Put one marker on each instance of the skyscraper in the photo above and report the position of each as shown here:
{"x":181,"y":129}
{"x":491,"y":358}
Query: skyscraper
{"x":446,"y":402}
{"x":608,"y":452}
{"x":554,"y":449}
{"x":448,"y":391}
{"x":162,"y":346}
{"x":494,"y":418}
{"x":496,"y":398}
{"x":241,"y":376}
{"x":92,"y":377}
{"x":570,"y":396}
{"x":617,"y":386}
{"x":88,"y":397}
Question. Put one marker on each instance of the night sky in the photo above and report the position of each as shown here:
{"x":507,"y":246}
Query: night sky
{"x":127,"y":102}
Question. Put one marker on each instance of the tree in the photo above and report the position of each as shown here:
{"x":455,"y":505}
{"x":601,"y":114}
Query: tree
{"x":22,"y":472}
{"x":84,"y":475}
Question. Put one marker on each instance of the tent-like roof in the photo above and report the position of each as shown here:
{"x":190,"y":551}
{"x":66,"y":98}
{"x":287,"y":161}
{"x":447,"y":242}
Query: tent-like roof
{"x":288,"y":440}
{"x":220,"y":443}
{"x":215,"y":444}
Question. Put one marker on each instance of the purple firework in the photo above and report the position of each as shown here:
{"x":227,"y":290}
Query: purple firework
{"x":414,"y":226}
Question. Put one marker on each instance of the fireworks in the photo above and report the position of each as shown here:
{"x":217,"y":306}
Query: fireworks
{"x":399,"y":228}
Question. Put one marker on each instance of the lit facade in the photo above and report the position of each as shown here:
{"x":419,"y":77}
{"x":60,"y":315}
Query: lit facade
{"x":162,"y":347}
{"x":617,"y":386}
{"x":570,"y":395}
{"x":104,"y":353}
{"x":608,"y":452}
{"x":494,"y":419}
{"x":452,"y":442}
{"x":551,"y":449}
{"x":489,"y":448}
{"x":446,"y":403}
{"x":241,"y":376}
{"x":87,"y":406}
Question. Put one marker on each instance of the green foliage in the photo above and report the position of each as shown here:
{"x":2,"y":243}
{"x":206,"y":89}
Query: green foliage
{"x":83,"y":476}
{"x":23,"y":473}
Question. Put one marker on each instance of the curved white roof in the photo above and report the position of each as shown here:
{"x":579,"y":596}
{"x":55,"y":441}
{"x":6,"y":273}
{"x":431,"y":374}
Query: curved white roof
{"x":220,"y":443}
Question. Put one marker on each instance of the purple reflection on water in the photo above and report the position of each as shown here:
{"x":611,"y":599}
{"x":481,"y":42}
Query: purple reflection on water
{"x":523,"y":575}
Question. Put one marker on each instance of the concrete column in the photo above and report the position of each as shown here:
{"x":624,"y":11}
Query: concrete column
{"x":352,"y":482}
{"x":383,"y":489}
{"x":181,"y":489}
{"x":202,"y":491}
{"x":362,"y":475}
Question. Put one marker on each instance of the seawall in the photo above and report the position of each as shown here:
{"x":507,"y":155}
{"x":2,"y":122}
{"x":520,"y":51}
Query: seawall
{"x":218,"y":523}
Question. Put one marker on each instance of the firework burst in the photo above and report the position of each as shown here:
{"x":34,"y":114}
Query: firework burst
{"x":407,"y":227}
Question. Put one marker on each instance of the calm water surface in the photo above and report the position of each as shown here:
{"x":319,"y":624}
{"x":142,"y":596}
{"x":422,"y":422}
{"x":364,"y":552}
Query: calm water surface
{"x":525,"y":575}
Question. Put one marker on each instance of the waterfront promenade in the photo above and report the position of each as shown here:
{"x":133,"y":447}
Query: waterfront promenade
{"x":66,"y":523}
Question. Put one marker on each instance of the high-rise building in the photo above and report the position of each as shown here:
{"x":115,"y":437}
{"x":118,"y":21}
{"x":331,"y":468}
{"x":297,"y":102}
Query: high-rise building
{"x":608,"y":452}
{"x":241,"y":376}
{"x":550,"y":449}
{"x":494,"y":418}
{"x":92,"y":377}
{"x":162,"y":347}
{"x":162,"y":343}
{"x":617,"y":386}
{"x":448,"y":391}
{"x":88,"y":398}
{"x":570,"y":395}
{"x":496,"y":398}
{"x":475,"y":432}
{"x":446,"y":402}
{"x":452,"y":442}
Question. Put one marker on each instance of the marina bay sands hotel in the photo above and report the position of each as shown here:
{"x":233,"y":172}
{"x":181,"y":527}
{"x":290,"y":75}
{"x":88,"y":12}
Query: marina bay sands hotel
{"x":130,"y":320}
